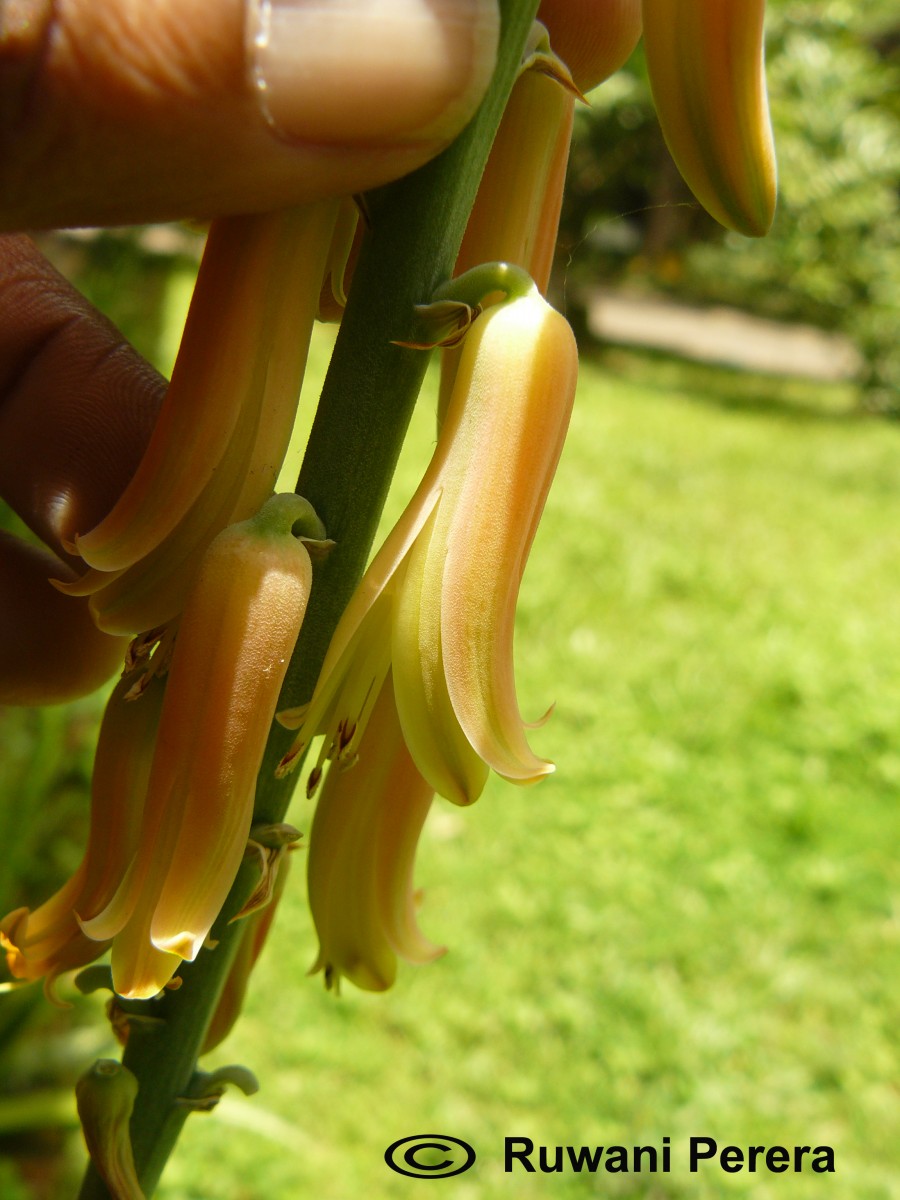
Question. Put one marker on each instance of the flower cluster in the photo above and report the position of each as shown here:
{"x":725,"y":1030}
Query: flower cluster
{"x":416,"y":695}
{"x":215,"y":595}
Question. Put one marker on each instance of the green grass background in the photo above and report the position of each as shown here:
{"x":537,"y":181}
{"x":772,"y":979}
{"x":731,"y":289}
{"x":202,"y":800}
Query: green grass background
{"x":692,"y":927}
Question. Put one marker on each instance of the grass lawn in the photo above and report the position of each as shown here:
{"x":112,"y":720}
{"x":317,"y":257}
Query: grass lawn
{"x":691,"y":929}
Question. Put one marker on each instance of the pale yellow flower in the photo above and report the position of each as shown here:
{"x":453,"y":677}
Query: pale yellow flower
{"x":438,"y":602}
{"x":362,"y":849}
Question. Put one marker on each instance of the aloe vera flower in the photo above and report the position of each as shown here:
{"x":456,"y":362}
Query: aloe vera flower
{"x":48,"y":941}
{"x":226,"y":422}
{"x":234,"y":641}
{"x":362,"y":848}
{"x":438,"y":601}
{"x":706,"y":61}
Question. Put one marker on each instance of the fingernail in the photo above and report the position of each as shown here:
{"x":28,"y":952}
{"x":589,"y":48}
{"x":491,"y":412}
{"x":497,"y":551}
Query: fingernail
{"x":360,"y":73}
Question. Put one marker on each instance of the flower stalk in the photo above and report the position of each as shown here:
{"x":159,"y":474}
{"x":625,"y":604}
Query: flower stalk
{"x":362,"y":417}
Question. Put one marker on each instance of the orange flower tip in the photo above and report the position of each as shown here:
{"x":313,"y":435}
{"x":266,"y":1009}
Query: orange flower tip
{"x":361,"y":974}
{"x":150,"y":989}
{"x":70,"y":545}
{"x":174,"y":983}
{"x":594,"y":37}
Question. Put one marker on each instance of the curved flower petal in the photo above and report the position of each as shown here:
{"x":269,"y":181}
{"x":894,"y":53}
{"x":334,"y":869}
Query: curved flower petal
{"x":438,"y":745}
{"x":513,"y":442}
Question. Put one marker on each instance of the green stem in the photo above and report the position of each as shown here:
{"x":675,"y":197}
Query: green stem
{"x":366,"y":403}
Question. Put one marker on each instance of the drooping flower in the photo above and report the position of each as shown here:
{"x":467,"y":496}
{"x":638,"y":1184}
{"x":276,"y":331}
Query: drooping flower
{"x":369,"y":816}
{"x":233,"y":646}
{"x":438,"y":601}
{"x":226,"y":422}
{"x":49,"y":941}
{"x":706,"y":61}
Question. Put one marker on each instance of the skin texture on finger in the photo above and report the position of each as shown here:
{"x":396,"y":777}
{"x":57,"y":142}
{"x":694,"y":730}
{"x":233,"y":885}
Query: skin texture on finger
{"x":50,"y":650}
{"x":77,"y":403}
{"x":147,"y":110}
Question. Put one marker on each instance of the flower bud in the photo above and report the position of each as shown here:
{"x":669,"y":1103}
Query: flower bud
{"x":706,"y":60}
{"x":105,"y":1096}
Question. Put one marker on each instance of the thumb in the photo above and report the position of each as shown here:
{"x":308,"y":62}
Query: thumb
{"x":144,"y":110}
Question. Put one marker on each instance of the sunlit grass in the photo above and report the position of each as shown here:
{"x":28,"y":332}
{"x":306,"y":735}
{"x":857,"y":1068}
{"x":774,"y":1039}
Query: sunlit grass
{"x":690,"y":929}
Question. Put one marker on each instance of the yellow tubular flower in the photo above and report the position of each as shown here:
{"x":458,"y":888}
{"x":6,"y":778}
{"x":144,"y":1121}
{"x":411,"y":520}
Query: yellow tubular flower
{"x":706,"y":60}
{"x":361,"y":855}
{"x":516,"y":213}
{"x":49,"y":940}
{"x":439,"y":598}
{"x":234,"y":643}
{"x":244,"y":344}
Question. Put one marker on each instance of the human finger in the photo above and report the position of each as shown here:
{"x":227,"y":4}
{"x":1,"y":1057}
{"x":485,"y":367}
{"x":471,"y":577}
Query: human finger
{"x":50,"y":649}
{"x":146,"y":110}
{"x":77,"y":403}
